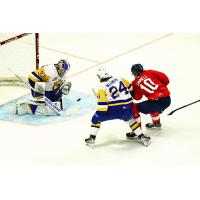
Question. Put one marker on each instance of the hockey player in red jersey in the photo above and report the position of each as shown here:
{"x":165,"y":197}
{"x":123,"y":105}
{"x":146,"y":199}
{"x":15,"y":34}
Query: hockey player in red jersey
{"x":114,"y":102}
{"x":153,"y":85}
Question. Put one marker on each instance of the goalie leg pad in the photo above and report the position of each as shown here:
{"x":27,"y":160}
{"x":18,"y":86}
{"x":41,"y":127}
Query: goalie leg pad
{"x":35,"y":108}
{"x":54,"y":95}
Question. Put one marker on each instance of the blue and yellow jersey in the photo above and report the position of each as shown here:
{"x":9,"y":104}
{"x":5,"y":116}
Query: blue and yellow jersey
{"x":114,"y":92}
{"x":47,"y":74}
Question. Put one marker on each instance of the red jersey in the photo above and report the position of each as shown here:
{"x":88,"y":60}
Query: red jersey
{"x":152,"y":84}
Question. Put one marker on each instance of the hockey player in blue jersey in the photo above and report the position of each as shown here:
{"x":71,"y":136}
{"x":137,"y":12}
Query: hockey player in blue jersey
{"x":114,"y":102}
{"x":50,"y":81}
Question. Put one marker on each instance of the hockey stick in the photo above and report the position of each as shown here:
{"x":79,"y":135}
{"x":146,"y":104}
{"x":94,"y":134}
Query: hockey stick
{"x":173,"y":111}
{"x":94,"y":93}
{"x":47,"y":100}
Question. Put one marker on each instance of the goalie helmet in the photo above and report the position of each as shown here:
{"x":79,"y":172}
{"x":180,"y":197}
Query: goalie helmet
{"x":103,"y":74}
{"x":62,"y":66}
{"x":137,"y":69}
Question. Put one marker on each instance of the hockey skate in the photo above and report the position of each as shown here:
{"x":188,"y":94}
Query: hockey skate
{"x":139,"y":139}
{"x":90,"y":142}
{"x":144,"y":140}
{"x":131,"y":135}
{"x":153,"y":125}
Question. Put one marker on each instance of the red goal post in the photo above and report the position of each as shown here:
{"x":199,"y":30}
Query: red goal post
{"x":20,"y":53}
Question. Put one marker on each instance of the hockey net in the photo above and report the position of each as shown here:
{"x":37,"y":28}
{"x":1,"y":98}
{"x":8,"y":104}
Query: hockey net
{"x":20,"y":54}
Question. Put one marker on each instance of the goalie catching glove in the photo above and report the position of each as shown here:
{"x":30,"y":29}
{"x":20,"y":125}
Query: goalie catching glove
{"x":66,"y":88}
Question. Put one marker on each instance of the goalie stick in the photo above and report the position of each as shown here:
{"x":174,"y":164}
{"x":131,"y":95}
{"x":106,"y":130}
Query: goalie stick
{"x":47,"y":100}
{"x":173,"y":111}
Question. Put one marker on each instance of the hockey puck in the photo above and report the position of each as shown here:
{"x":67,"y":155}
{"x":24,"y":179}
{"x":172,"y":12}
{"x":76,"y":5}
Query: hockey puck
{"x":78,"y":99}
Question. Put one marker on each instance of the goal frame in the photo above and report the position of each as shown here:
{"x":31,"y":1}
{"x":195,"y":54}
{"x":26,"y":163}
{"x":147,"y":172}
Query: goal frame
{"x":13,"y":81}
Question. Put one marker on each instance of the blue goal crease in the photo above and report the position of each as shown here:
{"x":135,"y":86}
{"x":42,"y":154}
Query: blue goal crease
{"x":72,"y":108}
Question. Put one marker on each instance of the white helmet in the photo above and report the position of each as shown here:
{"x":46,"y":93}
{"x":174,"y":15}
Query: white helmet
{"x":103,"y":73}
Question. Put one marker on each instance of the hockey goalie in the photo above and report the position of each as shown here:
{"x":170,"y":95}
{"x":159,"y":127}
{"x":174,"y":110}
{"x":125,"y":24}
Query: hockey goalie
{"x":48,"y":82}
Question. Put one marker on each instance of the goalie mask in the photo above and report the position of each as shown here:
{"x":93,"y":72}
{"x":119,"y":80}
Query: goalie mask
{"x":103,"y":74}
{"x":62,"y":66}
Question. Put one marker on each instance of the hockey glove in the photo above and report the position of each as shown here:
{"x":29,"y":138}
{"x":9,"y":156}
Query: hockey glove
{"x":66,"y":88}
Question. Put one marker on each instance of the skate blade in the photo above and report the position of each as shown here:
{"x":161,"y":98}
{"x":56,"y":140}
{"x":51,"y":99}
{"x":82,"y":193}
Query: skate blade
{"x":90,"y":145}
{"x":132,"y":138}
{"x":154,"y":128}
{"x":138,"y":141}
{"x":146,"y":144}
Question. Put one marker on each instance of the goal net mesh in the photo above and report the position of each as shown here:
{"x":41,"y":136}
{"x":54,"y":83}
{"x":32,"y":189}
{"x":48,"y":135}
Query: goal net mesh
{"x":17,"y":53}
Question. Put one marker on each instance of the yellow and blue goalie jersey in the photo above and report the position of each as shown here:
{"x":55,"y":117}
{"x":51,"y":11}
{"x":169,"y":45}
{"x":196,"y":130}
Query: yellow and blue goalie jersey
{"x":49,"y":75}
{"x":114,"y":92}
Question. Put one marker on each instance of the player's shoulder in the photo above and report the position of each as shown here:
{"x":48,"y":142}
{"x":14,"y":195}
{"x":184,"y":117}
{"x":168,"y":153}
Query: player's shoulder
{"x":50,"y":69}
{"x":147,"y":71}
{"x":151,"y":71}
{"x":110,"y":82}
{"x":145,"y":74}
{"x":114,"y":79}
{"x":98,"y":88}
{"x":155,"y":73}
{"x":123,"y":79}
